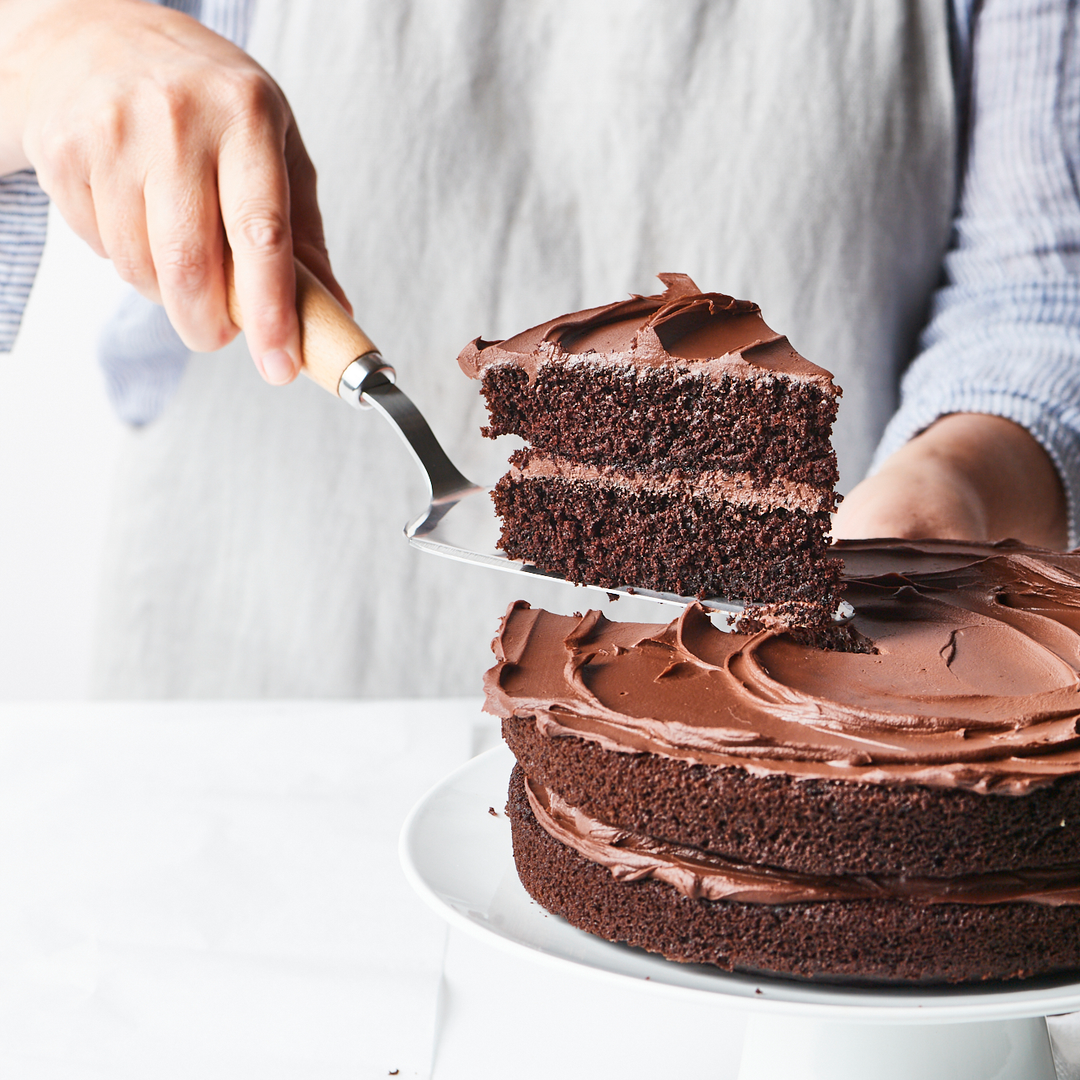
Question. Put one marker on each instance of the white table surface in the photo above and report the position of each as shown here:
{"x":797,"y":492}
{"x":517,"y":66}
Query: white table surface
{"x":212,"y":890}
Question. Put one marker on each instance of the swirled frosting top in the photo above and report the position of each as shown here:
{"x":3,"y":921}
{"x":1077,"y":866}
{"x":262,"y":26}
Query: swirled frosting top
{"x":707,"y":332}
{"x":975,"y":682}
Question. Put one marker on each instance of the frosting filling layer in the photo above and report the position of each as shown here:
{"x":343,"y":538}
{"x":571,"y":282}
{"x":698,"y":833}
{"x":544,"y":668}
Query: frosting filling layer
{"x":700,"y":874}
{"x":738,"y":489}
{"x":975,"y":683}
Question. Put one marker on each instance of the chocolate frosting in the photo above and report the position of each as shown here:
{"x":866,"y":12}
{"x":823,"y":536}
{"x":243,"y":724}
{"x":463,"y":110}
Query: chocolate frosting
{"x":702,"y":332}
{"x":740,"y":489}
{"x":704,"y":875}
{"x":975,"y":683}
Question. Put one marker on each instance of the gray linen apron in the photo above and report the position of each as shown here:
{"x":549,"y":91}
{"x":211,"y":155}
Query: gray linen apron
{"x":484,"y":165}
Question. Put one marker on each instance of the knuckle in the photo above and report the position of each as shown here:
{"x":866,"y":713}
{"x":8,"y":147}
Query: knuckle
{"x":250,"y":95}
{"x":110,"y":125}
{"x":260,"y":230}
{"x":59,"y":147}
{"x":174,"y":106}
{"x":183,"y":267}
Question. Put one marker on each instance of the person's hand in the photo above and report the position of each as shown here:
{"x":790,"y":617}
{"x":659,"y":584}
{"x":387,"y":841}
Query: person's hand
{"x":160,"y":142}
{"x":967,"y":477}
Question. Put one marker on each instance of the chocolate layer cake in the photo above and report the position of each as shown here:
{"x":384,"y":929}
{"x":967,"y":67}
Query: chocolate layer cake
{"x":676,"y":443}
{"x":910,"y":814}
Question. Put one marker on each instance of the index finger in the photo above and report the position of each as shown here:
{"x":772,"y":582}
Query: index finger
{"x":253,"y":188}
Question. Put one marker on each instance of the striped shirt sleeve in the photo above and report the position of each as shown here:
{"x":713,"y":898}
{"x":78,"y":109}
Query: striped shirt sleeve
{"x":1004,"y":332}
{"x":24,"y":209}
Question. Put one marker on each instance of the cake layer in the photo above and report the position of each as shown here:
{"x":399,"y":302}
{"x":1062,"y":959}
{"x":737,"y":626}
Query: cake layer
{"x":700,"y":874}
{"x":683,"y":380}
{"x":818,"y":827}
{"x":975,"y":683}
{"x":656,"y":538}
{"x":656,"y":420}
{"x":871,"y":941}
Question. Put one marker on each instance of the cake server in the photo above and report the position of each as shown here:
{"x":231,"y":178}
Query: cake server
{"x":342,"y":359}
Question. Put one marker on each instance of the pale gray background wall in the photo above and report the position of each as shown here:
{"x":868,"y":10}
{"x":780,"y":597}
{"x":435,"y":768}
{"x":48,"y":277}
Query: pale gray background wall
{"x":57,"y":448}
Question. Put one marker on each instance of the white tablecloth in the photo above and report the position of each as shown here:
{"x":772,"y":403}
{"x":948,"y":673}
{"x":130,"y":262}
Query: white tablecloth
{"x":212,"y":890}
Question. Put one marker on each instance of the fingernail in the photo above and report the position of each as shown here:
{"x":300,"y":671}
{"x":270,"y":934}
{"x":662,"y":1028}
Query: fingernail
{"x":278,"y":367}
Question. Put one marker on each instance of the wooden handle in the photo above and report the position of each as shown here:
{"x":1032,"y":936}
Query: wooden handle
{"x":329,"y":338}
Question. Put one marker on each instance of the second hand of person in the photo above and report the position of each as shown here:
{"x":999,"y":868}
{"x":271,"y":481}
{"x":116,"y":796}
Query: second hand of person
{"x":969,"y":476}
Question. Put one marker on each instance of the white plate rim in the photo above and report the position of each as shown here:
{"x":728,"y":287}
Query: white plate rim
{"x":774,"y":995}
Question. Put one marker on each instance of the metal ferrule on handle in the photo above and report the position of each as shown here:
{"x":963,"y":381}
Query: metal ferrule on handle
{"x":364,"y":373}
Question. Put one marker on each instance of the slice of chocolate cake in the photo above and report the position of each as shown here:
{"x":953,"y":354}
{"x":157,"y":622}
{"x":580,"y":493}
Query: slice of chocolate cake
{"x":908,"y":815}
{"x":676,"y":443}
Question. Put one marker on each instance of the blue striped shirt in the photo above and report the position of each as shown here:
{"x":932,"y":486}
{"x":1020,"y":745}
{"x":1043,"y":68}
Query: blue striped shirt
{"x":1004,"y":332}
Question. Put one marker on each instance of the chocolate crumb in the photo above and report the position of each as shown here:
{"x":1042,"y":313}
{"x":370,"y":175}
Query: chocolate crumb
{"x":613,"y":596}
{"x":392,"y":1072}
{"x":834,"y":639}
{"x":757,"y":991}
{"x":493,"y":812}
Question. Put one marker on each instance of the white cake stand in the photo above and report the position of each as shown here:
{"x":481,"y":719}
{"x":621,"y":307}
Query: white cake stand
{"x":457,"y":855}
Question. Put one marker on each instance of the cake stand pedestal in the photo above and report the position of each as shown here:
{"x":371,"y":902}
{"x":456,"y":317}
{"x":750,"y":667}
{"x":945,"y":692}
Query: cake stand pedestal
{"x":812,"y":1049}
{"x":457,"y":855}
